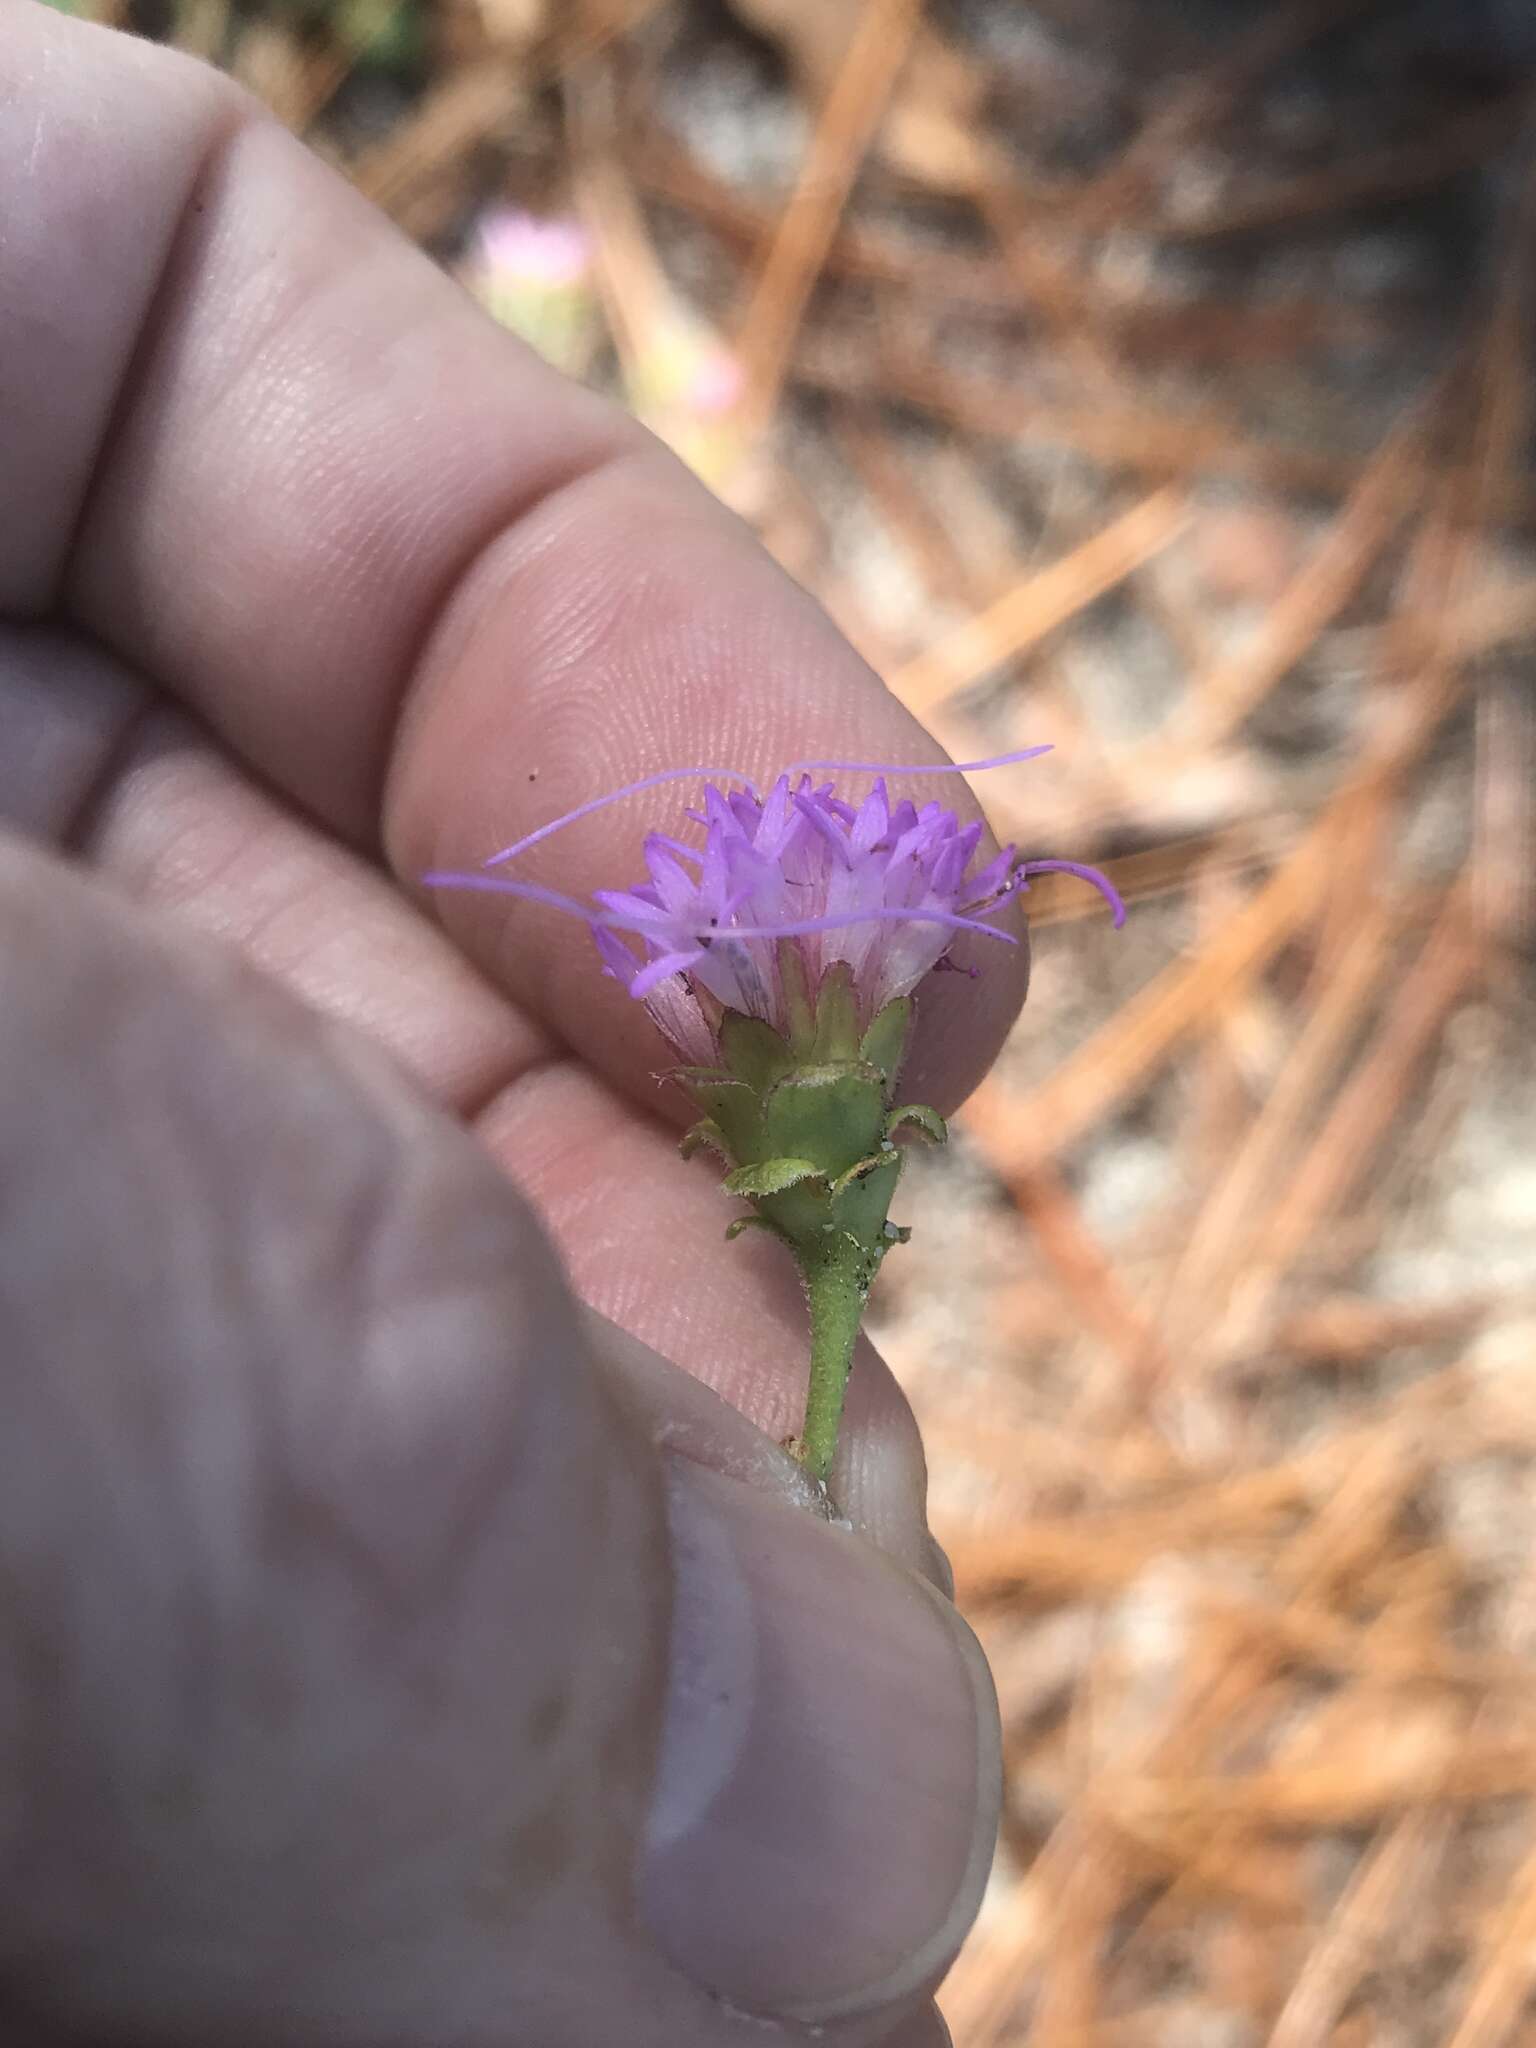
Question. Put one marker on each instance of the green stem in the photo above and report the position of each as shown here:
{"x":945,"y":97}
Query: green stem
{"x":837,"y":1276}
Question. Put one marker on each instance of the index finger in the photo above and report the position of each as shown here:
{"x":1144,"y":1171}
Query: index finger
{"x":411,"y":576}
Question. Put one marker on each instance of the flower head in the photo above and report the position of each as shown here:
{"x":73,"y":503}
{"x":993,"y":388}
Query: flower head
{"x":787,"y":885}
{"x":784,"y":887}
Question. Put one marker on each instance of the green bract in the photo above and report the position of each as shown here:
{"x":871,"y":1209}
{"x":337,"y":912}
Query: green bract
{"x":804,"y":1121}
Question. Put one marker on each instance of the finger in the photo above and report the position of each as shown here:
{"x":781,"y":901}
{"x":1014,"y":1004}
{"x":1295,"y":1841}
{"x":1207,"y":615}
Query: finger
{"x":367,"y":1676}
{"x":95,"y":760}
{"x":876,"y":1486}
{"x":924,"y":2029}
{"x":184,"y":831}
{"x":394,"y":560}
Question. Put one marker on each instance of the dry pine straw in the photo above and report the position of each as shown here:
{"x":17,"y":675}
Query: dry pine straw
{"x":1233,"y":1423}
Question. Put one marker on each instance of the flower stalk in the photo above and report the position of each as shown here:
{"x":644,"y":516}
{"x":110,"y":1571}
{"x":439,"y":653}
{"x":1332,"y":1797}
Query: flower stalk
{"x":803,"y":1118}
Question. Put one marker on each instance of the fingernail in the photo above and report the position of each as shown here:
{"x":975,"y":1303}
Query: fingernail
{"x":936,"y":1565}
{"x":827,"y":1792}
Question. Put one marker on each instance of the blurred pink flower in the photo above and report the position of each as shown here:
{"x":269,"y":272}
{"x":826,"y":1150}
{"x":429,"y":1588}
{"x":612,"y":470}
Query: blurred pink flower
{"x":715,"y":385}
{"x":519,"y":248}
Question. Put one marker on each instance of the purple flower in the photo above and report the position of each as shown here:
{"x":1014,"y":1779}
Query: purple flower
{"x":779,"y":957}
{"x":784,"y":887}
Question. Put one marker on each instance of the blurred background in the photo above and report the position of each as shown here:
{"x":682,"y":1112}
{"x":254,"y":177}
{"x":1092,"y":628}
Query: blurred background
{"x":1153,"y":379}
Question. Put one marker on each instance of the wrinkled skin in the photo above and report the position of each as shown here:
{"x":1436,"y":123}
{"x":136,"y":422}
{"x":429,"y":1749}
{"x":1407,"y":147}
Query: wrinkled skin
{"x":317,"y":1485}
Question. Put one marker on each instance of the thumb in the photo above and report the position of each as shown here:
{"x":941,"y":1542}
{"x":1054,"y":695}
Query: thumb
{"x":366,"y":1674}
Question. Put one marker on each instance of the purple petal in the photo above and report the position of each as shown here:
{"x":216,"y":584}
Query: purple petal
{"x":662,"y":969}
{"x":818,"y":815}
{"x":616,"y":956}
{"x":873,"y":821}
{"x":678,"y":846}
{"x":985,"y":885}
{"x":631,"y":911}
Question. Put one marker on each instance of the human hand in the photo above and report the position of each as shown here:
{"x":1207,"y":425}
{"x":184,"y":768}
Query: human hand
{"x":354,"y":1578}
